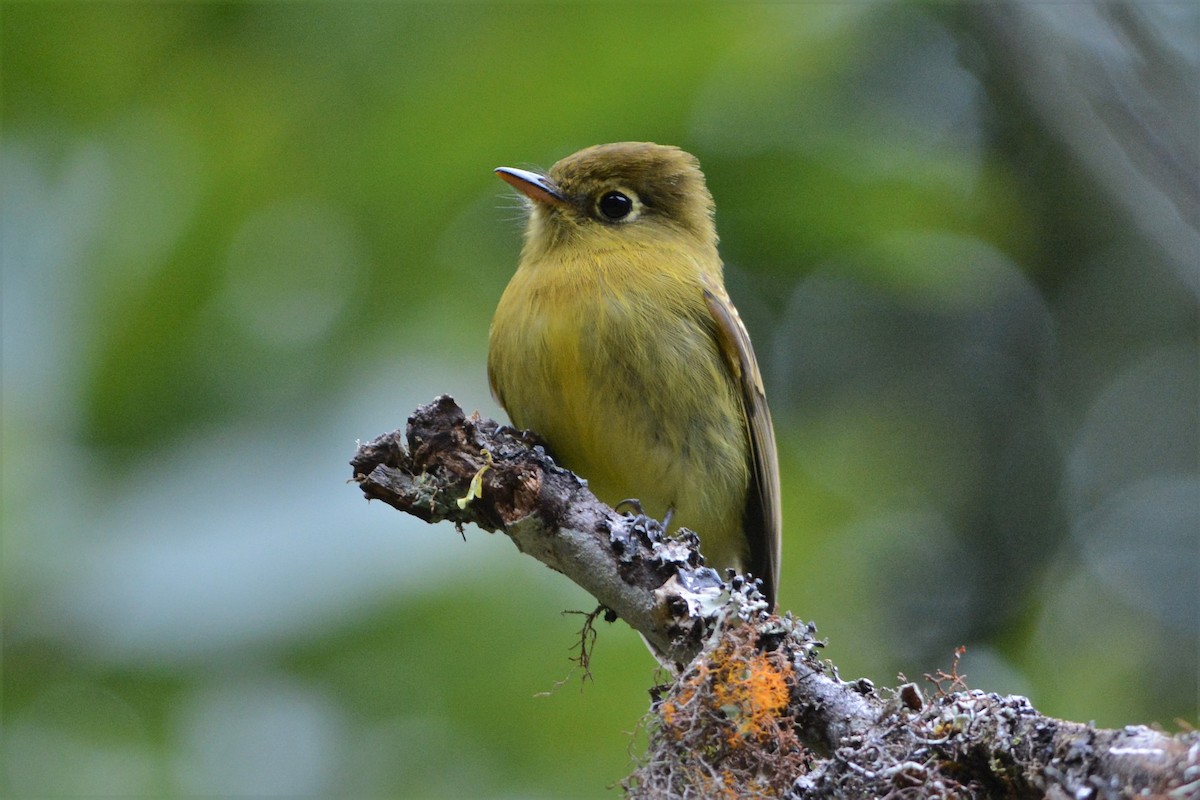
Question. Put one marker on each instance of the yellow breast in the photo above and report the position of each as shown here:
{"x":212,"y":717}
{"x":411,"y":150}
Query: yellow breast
{"x":613,"y":360}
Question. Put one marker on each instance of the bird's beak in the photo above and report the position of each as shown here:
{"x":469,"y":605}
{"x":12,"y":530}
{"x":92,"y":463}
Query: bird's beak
{"x":533,"y":185}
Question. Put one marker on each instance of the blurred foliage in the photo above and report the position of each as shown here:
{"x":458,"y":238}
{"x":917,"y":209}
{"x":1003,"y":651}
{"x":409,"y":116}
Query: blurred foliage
{"x":235,"y":237}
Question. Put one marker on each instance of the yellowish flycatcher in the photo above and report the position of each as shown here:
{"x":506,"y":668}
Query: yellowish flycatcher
{"x":617,"y":343}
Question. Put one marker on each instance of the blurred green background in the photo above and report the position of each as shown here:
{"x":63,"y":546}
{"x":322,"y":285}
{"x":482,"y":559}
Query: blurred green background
{"x":237,"y":238}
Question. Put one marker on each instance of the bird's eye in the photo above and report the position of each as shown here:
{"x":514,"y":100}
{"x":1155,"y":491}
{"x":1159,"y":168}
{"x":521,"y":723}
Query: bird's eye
{"x":615,"y":206}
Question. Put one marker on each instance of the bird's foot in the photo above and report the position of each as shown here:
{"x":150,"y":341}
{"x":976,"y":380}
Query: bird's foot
{"x":639,"y":514}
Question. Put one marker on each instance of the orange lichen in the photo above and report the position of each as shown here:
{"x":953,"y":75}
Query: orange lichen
{"x":722,"y":719}
{"x":752,"y":693}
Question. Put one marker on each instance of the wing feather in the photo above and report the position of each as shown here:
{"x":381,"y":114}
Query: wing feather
{"x":763,"y":517}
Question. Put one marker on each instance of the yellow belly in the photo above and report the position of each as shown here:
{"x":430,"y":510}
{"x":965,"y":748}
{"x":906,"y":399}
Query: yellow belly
{"x":636,"y":400}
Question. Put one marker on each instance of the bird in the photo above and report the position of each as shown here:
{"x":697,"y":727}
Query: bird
{"x":617,"y":344}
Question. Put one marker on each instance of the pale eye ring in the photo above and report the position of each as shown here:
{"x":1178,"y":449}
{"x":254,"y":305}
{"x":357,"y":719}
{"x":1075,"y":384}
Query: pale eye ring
{"x":614,"y":206}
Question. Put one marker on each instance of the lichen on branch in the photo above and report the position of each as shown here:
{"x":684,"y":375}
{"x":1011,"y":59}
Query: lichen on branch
{"x":753,"y":711}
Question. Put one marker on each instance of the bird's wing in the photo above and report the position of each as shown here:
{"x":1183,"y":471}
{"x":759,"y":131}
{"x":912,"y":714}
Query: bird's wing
{"x":763,"y":518}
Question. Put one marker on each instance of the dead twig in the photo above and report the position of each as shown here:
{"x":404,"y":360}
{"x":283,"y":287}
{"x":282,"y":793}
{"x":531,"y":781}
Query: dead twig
{"x":753,"y":709}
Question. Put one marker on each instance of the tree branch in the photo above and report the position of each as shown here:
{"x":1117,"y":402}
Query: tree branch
{"x":754,"y":711}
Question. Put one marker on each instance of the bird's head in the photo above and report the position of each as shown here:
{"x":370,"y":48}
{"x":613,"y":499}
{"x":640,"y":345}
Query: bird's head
{"x":623,"y":193}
